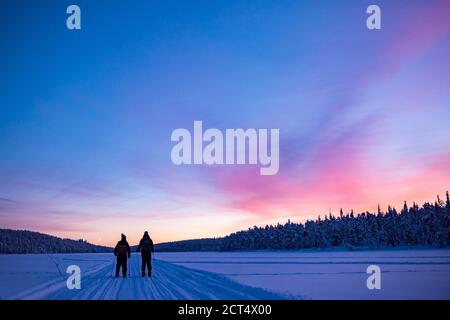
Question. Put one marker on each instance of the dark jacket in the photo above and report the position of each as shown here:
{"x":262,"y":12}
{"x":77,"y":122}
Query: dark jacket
{"x":145,"y":245}
{"x":122,"y":248}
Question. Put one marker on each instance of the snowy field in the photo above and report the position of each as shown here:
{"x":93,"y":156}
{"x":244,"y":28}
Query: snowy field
{"x":405,"y":274}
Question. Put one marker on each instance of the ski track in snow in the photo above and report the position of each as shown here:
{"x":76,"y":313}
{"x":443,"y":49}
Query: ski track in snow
{"x":168,"y":281}
{"x":406,"y":274}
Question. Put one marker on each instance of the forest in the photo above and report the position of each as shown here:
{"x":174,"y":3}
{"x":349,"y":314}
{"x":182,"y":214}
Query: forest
{"x":23,"y":241}
{"x":427,"y":225}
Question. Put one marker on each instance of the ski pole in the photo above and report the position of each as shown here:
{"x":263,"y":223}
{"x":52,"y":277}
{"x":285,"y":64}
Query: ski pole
{"x":113,"y":264}
{"x":129,"y":265}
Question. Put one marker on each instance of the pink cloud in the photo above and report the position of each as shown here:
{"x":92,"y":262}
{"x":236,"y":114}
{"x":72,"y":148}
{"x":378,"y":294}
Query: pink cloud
{"x":340,"y":172}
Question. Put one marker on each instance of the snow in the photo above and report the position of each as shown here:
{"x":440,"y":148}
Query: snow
{"x":405,"y":274}
{"x":36,"y":276}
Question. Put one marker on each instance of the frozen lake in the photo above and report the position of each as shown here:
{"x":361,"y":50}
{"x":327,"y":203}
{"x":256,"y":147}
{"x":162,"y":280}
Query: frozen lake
{"x":405,"y":274}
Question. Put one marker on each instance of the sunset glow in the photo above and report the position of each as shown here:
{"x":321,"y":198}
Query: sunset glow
{"x":86,"y":118}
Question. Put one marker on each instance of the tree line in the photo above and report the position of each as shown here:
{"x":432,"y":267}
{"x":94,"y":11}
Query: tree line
{"x":23,"y":241}
{"x":427,"y":225}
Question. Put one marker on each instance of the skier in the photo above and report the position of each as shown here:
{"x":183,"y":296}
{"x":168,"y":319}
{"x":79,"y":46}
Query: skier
{"x":146,"y":248}
{"x":122,"y":251}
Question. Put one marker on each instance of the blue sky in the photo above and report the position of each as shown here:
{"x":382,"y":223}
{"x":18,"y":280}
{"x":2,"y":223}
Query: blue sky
{"x":86,"y":116}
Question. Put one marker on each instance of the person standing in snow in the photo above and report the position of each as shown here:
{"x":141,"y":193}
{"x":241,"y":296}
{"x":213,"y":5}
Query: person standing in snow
{"x":146,"y":249}
{"x":122,"y":251}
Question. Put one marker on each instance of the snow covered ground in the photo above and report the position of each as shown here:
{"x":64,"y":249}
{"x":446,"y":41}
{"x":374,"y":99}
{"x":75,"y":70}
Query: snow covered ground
{"x":405,"y":274}
{"x":37,"y":276}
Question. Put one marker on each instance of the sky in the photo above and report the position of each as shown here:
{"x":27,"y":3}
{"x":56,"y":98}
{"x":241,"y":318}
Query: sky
{"x":86,"y":115}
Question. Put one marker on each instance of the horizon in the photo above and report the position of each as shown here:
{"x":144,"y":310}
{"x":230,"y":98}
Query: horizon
{"x":86,"y":116}
{"x":328,"y":215}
